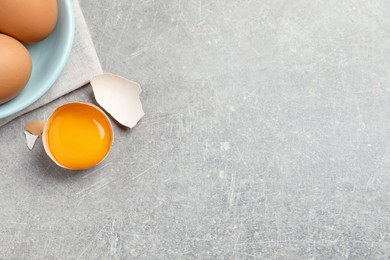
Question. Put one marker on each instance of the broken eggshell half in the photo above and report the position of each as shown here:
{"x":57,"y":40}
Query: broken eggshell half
{"x":79,"y":122}
{"x":119,"y":97}
{"x":76,"y":136}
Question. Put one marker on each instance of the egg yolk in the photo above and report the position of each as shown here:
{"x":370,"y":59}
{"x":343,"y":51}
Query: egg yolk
{"x":79,"y":136}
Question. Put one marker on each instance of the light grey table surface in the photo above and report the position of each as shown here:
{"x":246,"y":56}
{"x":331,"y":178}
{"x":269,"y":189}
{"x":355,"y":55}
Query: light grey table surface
{"x":266,"y":136}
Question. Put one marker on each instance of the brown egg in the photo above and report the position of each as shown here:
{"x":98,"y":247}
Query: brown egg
{"x":15,"y":67}
{"x":28,"y":21}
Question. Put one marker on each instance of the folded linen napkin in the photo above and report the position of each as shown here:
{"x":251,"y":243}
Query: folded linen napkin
{"x":82,"y":65}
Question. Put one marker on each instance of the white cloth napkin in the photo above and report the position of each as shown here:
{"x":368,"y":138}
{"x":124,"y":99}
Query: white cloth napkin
{"x":82,"y":65}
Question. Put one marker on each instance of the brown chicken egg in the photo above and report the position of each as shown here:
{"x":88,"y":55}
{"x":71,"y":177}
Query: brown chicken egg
{"x":29,"y":21}
{"x":15,"y":67}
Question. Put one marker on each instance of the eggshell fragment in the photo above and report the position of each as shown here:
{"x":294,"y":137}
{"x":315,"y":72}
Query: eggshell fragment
{"x":119,"y":97}
{"x":35,"y":127}
{"x":31,"y":139}
{"x":33,"y":130}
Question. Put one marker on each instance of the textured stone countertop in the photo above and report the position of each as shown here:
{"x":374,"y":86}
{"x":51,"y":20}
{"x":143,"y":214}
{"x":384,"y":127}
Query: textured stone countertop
{"x":266,"y":136}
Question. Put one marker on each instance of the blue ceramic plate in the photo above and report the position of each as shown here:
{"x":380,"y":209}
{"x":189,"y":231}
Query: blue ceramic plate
{"x":49,"y":58}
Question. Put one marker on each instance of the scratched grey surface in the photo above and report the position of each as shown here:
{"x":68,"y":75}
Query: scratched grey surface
{"x":266,"y":136}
